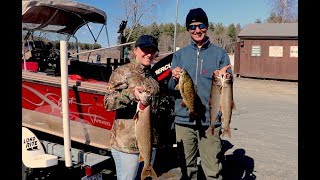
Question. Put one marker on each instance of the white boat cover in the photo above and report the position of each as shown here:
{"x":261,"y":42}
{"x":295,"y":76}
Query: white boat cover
{"x":61,"y":16}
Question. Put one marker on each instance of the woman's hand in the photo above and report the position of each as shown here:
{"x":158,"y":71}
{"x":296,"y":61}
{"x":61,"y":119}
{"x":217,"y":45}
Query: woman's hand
{"x":137,"y":92}
{"x":142,"y":99}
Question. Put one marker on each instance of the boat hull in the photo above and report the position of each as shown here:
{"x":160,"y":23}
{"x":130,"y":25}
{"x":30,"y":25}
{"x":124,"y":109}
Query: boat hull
{"x":90,"y":122}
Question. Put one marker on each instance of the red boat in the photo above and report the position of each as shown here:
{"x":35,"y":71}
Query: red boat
{"x":41,"y":108}
{"x":41,"y":81}
{"x":62,"y":97}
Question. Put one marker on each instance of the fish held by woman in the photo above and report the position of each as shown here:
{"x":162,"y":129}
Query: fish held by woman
{"x":143,"y":132}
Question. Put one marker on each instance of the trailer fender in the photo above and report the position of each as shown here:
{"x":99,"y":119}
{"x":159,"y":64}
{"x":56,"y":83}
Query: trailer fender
{"x":33,"y":154}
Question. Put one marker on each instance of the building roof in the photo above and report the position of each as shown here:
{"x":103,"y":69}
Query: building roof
{"x":270,"y":30}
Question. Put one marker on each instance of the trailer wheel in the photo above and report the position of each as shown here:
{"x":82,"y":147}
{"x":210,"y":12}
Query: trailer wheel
{"x":26,"y":172}
{"x":49,"y":173}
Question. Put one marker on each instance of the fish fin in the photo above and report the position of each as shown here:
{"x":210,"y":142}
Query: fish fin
{"x":148,"y":173}
{"x":177,"y":87}
{"x":136,"y":116}
{"x":233,"y":106}
{"x":191,"y":116}
{"x":183,"y":103}
{"x":140,"y":158}
{"x":194,"y":115}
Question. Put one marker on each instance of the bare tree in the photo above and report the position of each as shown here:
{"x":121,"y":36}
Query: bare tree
{"x":219,"y":35}
{"x":286,"y":10}
{"x":165,"y":43}
{"x":183,"y":39}
{"x":135,"y":10}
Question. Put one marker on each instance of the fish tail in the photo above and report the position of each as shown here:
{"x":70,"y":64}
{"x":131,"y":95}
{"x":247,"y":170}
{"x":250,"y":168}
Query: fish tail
{"x":148,"y":173}
{"x":226,"y":131}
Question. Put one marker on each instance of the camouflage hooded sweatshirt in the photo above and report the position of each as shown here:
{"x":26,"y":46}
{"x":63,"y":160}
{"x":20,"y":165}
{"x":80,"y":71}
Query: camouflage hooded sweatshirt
{"x":120,"y":97}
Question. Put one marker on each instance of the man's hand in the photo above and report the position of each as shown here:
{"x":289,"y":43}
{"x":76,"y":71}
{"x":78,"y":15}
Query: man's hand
{"x":223,"y":71}
{"x":176,"y":73}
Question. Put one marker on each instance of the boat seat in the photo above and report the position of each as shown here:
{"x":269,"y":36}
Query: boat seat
{"x":33,"y":154}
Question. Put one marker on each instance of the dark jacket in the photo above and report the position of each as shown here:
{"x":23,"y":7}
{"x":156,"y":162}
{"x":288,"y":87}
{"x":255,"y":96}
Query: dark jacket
{"x":203,"y":62}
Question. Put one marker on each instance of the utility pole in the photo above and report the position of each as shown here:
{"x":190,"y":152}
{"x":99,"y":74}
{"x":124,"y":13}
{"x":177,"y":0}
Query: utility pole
{"x":175,"y":27}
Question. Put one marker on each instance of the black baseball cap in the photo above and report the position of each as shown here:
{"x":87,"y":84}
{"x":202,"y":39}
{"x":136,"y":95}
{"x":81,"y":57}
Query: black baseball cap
{"x":145,"y":41}
{"x":196,"y":15}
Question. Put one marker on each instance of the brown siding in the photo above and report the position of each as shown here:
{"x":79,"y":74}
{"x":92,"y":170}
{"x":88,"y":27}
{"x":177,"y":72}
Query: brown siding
{"x":263,"y":66}
{"x":236,"y":69}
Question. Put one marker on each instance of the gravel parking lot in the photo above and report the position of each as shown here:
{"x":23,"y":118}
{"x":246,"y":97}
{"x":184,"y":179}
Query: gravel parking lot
{"x":265,"y":144}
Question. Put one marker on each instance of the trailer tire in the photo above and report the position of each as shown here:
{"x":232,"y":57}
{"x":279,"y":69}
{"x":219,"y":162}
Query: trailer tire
{"x":26,"y":172}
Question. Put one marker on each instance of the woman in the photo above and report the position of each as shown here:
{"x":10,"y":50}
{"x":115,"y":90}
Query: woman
{"x":127,"y":82}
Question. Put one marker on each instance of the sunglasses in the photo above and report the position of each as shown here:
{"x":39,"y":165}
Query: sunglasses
{"x":194,"y":26}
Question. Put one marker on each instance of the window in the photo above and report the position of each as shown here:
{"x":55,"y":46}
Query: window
{"x":294,"y":51}
{"x":256,"y":51}
{"x":275,"y":51}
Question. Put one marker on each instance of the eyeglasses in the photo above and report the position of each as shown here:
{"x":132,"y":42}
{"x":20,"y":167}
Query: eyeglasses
{"x":194,"y":26}
{"x":149,"y":50}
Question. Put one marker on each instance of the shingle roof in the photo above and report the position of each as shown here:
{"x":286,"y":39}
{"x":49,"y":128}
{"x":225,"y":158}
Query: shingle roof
{"x":270,"y":30}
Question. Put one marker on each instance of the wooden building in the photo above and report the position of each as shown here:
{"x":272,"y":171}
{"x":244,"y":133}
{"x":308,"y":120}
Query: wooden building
{"x":268,"y":50}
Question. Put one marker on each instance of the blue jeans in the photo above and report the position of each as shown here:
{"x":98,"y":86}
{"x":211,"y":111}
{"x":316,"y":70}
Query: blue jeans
{"x":127,"y":165}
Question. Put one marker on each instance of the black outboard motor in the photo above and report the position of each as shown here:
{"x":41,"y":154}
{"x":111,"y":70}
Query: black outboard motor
{"x":163,"y":115}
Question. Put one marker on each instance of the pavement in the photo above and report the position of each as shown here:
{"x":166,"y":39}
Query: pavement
{"x":264,"y":139}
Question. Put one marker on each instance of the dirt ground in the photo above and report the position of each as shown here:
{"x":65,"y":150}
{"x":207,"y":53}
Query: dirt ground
{"x":264,"y":142}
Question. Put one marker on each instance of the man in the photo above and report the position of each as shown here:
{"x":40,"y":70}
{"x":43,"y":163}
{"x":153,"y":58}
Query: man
{"x":200,"y":59}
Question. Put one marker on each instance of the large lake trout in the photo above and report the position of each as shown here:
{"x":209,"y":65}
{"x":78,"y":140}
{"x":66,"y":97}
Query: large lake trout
{"x":215,"y":100}
{"x":143,"y":132}
{"x":227,"y":103}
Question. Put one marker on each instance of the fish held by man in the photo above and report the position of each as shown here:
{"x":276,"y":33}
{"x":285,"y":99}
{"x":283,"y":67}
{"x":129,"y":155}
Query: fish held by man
{"x":190,"y":99}
{"x":227,"y":102}
{"x":215,"y":100}
{"x":221,"y":99}
{"x":143,"y":133}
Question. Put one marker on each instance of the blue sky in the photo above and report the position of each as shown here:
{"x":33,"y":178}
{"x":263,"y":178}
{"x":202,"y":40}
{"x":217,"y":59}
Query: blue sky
{"x":223,"y":11}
